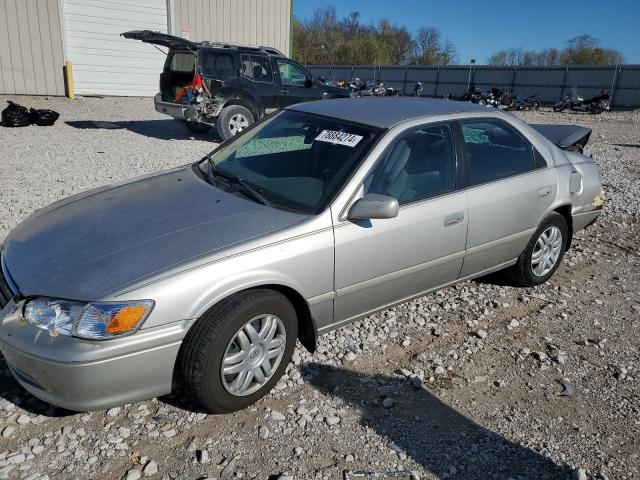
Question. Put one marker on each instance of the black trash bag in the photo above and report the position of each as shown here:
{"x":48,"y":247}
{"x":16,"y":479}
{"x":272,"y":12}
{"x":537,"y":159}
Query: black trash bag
{"x":15,"y":115}
{"x":43,"y":117}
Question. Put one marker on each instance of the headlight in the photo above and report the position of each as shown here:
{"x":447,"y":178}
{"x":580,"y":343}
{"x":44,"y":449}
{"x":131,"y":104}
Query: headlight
{"x":55,"y":316}
{"x":94,"y":321}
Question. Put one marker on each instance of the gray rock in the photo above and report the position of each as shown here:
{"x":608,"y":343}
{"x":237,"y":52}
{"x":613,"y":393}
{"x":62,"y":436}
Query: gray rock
{"x":229,"y":469}
{"x":388,"y":402}
{"x":579,"y":474}
{"x":23,"y":420}
{"x":263,"y":432}
{"x":202,"y":456}
{"x":133,"y":474}
{"x":150,"y":469}
{"x":277,"y":416}
{"x":332,"y":420}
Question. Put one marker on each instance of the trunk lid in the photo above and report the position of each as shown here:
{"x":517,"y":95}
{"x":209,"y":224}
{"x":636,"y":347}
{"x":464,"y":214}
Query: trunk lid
{"x":572,"y":138}
{"x":159,"y":38}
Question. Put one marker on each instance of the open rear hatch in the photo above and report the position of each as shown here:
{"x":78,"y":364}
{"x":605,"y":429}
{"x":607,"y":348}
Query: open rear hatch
{"x":572,"y":138}
{"x":159,"y":38}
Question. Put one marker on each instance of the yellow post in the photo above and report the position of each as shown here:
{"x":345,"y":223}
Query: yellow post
{"x":68,"y":79}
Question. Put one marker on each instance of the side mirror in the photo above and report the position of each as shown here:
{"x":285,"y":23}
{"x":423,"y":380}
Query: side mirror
{"x":308,"y":83}
{"x":374,"y":206}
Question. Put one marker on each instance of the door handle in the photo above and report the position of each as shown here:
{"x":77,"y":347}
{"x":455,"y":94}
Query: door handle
{"x":284,"y":91}
{"x":544,"y":192}
{"x":453,"y":219}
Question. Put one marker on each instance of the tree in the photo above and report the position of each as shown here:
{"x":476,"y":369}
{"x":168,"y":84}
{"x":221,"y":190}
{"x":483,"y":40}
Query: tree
{"x":581,"y":50}
{"x":326,"y":39}
{"x":585,"y":50}
{"x":431,"y":49}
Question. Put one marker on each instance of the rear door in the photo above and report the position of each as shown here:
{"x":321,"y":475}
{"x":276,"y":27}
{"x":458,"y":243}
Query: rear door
{"x":259,"y":81}
{"x":510,"y":189}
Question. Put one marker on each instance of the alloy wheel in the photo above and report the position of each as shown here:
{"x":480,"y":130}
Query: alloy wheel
{"x":253,"y":355}
{"x":546,"y":251}
{"x":238,"y":123}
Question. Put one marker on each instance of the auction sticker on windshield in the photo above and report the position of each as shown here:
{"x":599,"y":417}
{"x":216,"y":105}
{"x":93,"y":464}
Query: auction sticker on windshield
{"x":341,"y":138}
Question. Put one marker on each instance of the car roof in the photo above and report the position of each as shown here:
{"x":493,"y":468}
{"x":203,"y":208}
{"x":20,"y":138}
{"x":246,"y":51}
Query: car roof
{"x":385,"y":112}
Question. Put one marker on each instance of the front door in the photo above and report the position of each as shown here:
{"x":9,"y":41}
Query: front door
{"x":510,"y":190}
{"x":379,"y":262}
{"x":296,"y":84}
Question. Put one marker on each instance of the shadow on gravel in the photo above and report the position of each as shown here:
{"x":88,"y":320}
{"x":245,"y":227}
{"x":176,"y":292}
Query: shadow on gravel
{"x":161,"y":129}
{"x":11,"y":390}
{"x":430,"y":432}
{"x":628,"y":145}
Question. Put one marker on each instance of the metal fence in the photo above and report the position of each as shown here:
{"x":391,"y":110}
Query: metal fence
{"x":550,"y":83}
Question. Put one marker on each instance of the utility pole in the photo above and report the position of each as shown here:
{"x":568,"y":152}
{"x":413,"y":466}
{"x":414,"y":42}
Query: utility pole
{"x":472,"y":62}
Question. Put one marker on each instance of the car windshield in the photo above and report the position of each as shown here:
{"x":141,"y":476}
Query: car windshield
{"x":297,"y":161}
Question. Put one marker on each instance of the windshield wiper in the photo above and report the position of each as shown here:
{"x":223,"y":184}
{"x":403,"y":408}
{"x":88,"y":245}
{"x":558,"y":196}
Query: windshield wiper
{"x":234,"y":180}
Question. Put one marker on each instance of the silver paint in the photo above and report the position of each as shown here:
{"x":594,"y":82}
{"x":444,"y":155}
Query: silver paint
{"x":187,"y":246}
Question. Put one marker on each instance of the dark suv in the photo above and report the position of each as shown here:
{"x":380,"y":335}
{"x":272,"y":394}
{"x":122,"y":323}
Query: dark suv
{"x":228,"y":86}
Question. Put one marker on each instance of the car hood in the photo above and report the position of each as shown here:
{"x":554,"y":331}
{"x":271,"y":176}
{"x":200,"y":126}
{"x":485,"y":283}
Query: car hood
{"x":89,"y":245}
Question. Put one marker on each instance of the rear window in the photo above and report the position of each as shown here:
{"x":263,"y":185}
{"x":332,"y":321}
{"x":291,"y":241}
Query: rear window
{"x":495,"y":150}
{"x":182,"y":62}
{"x":217,"y":65}
{"x":256,"y":68}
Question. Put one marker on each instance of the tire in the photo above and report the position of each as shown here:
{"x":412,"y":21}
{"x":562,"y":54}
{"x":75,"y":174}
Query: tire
{"x":214,"y":338}
{"x":559,"y":107}
{"x":197,"y":127}
{"x":596,"y":109}
{"x":232,"y":120}
{"x":523,"y":273}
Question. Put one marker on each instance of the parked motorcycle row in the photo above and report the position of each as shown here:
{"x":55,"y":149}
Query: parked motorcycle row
{"x":494,"y":97}
{"x":498,"y":98}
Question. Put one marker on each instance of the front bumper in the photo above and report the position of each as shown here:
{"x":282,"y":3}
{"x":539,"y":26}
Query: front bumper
{"x":84,"y":375}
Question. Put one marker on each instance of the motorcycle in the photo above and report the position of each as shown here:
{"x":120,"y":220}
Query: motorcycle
{"x":520,"y":102}
{"x":417,"y":89}
{"x":576,"y":103}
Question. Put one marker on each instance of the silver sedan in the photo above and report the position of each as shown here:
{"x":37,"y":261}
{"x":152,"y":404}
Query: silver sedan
{"x":314,"y":217}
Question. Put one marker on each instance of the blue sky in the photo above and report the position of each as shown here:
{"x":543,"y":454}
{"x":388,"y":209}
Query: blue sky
{"x":479,"y":28}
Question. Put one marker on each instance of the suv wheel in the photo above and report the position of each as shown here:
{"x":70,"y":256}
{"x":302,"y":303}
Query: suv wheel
{"x":543,"y":254}
{"x":197,"y":127}
{"x":232,"y":120}
{"x":237,"y":352}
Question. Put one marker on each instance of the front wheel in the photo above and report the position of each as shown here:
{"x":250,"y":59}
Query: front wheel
{"x":232,"y":120}
{"x":236,"y":353}
{"x":596,"y":109}
{"x":543,"y":253}
{"x":559,"y":107}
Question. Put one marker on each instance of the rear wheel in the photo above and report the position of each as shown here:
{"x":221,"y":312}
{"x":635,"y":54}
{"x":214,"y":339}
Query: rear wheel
{"x":232,"y":120}
{"x":543,"y":253}
{"x":559,"y":107}
{"x":197,"y":127}
{"x":238,"y":351}
{"x":596,"y":109}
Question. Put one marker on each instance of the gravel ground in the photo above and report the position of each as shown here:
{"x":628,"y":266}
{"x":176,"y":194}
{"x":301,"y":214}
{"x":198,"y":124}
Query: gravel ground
{"x":480,"y":380}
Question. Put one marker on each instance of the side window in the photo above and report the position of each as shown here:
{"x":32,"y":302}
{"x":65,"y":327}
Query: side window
{"x":419,"y":164}
{"x":256,"y":68}
{"x":182,"y":62}
{"x":291,"y":74}
{"x":217,"y":65}
{"x":495,"y":150}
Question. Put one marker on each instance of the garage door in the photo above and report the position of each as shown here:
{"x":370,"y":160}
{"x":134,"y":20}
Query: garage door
{"x":104,"y":63}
